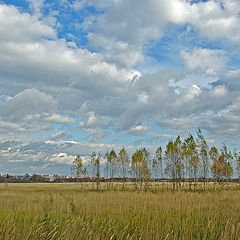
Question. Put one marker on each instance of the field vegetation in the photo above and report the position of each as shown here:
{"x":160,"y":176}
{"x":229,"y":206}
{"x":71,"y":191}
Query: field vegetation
{"x":189,"y":190}
{"x":65,"y":211}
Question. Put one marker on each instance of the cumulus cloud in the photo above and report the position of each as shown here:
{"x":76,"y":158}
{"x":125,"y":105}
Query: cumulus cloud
{"x":209,"y":61}
{"x":9,"y":127}
{"x":24,"y":27}
{"x":29,"y":101}
{"x":44,"y":62}
{"x":220,"y":91}
{"x":120,"y":19}
{"x":118,"y":52}
{"x":57,"y":118}
{"x":217,"y":19}
{"x":36,"y":7}
{"x":123,"y":29}
{"x":61,"y":158}
{"x":95,"y":126}
{"x":139,"y":129}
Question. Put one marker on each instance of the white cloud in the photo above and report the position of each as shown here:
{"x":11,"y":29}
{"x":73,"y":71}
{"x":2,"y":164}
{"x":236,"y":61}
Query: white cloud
{"x":234,"y":74}
{"x":209,"y":61}
{"x":189,"y":94}
{"x":123,"y":29}
{"x":27,"y":102}
{"x":36,"y":7}
{"x":217,"y":19}
{"x":220,"y":91}
{"x":92,"y":119}
{"x":57,"y":118}
{"x":61,"y":158}
{"x":78,"y":4}
{"x":118,"y":52}
{"x":24,"y":27}
{"x":143,"y":98}
{"x":39,"y":59}
{"x":139,"y":129}
{"x":9,"y":127}
{"x":121,"y":21}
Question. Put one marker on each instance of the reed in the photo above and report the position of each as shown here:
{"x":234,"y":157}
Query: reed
{"x":61,"y":211}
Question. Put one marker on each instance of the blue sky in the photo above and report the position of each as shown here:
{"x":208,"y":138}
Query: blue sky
{"x":80,"y":76}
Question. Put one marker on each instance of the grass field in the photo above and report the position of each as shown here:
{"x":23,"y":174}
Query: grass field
{"x":61,"y":211}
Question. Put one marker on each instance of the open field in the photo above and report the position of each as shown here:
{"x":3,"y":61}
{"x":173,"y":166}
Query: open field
{"x":61,"y":211}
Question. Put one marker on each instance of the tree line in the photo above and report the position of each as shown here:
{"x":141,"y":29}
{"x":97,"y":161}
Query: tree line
{"x":183,"y":162}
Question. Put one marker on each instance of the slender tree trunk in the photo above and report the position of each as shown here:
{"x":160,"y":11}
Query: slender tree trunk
{"x":136,"y":179}
{"x":190,"y":179}
{"x":107,"y":176}
{"x":204,"y":180}
{"x":123,"y":180}
{"x":155,"y":180}
{"x":98,"y":177}
{"x":112,"y":176}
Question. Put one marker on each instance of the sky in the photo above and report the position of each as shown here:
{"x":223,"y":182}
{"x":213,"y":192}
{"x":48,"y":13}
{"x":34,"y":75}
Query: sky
{"x":78,"y":76}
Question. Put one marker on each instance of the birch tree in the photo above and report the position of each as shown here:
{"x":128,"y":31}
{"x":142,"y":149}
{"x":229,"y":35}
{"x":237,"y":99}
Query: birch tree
{"x":140,"y":169}
{"x":221,"y":166}
{"x":112,"y":162}
{"x":108,"y":160}
{"x":189,"y":151}
{"x":123,"y":160}
{"x":157,"y":165}
{"x":95,"y":161}
{"x":203,"y":150}
{"x":174,"y":163}
{"x":236,"y":156}
{"x":78,"y":169}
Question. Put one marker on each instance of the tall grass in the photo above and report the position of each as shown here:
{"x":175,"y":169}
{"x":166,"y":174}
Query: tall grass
{"x":61,"y":211}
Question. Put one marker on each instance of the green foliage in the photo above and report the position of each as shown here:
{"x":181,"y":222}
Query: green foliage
{"x":123,"y":160}
{"x":123,"y":157}
{"x":190,"y":153}
{"x":77,"y":167}
{"x":203,"y":150}
{"x":221,"y":166}
{"x":174,"y":158}
{"x":185,"y":163}
{"x":236,"y":156}
{"x":140,"y":167}
{"x":96,"y":161}
{"x":157,"y":163}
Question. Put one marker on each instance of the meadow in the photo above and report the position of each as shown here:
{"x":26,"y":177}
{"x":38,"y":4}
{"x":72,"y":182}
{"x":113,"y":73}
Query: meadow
{"x":66,"y":211}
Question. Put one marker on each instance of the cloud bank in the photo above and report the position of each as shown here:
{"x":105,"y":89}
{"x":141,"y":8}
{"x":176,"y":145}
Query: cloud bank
{"x":80,"y":75}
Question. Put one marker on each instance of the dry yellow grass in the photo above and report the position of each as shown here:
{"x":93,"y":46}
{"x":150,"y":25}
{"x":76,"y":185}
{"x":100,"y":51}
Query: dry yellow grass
{"x":61,"y":211}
